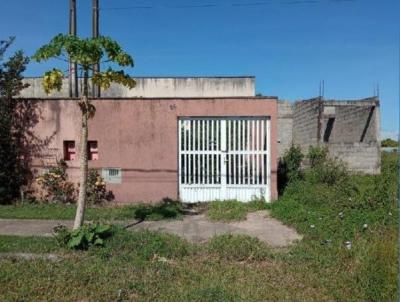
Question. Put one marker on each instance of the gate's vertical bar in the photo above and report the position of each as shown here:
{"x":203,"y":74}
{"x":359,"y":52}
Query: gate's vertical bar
{"x":180,"y":154}
{"x":205,"y":150}
{"x":217,"y":148}
{"x":212,"y":149}
{"x":253,"y":139}
{"x":202,"y":152}
{"x":190,"y":140}
{"x":263,"y":151}
{"x":222,"y":159}
{"x":227,"y":156}
{"x":234,"y":155}
{"x":268,"y":160}
{"x":183,"y":148}
{"x":258,"y":150}
{"x":247,"y":151}
{"x":197,"y":149}
{"x":208,"y":133}
{"x":241,"y":149}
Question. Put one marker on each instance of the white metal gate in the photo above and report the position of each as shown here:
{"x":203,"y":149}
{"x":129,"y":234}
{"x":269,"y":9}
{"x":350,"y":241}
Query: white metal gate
{"x":224,"y":158}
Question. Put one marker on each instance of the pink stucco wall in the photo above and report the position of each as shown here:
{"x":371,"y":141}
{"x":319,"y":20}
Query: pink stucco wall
{"x":140,"y":136}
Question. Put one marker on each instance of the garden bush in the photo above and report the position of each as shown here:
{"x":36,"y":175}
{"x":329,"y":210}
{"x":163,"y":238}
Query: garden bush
{"x":56,"y":188}
{"x":96,"y":189}
{"x":55,"y":185}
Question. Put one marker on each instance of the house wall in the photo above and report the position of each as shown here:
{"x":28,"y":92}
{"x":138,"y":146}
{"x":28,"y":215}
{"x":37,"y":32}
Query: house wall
{"x":140,"y":136}
{"x":160,"y":88}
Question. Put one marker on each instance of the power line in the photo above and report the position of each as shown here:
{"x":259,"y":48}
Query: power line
{"x":214,"y":5}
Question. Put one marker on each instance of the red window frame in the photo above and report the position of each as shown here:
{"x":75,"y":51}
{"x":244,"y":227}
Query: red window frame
{"x":69,"y":150}
{"x":93,"y":150}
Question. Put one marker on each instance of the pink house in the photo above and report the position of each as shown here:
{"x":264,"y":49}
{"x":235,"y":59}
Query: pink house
{"x":187,"y":148}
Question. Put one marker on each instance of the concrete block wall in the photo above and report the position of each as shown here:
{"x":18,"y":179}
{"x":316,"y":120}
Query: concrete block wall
{"x":356,"y":122}
{"x":285,"y":126}
{"x":355,"y":133}
{"x":305,"y":123}
{"x":359,"y":157}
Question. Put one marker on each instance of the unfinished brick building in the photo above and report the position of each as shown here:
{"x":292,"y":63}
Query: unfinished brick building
{"x":349,"y":129}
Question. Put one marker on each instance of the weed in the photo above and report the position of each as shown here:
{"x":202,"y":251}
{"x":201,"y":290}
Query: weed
{"x":238,"y":248}
{"x":227,"y":210}
{"x":83,"y":237}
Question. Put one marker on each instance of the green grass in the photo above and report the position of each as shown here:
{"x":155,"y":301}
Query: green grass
{"x":163,"y":210}
{"x":149,"y":266}
{"x":331,"y":215}
{"x":15,"y":244}
{"x":233,"y":210}
{"x":238,"y":248}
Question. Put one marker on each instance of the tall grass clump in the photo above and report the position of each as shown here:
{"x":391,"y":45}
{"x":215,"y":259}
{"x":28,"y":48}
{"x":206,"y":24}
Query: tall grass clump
{"x":349,"y":224}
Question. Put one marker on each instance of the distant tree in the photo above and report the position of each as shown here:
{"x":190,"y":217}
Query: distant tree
{"x":388,"y":142}
{"x":14,"y":161}
{"x":85,"y":53}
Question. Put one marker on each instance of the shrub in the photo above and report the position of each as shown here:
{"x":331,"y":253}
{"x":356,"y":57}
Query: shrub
{"x":330,"y":172}
{"x":55,"y":184}
{"x":238,"y":247}
{"x":289,"y":167}
{"x":324,"y":169}
{"x":317,"y":155}
{"x":96,"y":189}
{"x":83,"y":237}
{"x":292,"y":162}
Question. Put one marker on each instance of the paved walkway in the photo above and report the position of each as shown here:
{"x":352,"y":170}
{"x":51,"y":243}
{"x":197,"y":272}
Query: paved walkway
{"x":194,"y":228}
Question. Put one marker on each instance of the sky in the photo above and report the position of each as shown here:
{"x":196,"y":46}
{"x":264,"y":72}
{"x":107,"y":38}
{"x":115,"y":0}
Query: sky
{"x":290,"y":46}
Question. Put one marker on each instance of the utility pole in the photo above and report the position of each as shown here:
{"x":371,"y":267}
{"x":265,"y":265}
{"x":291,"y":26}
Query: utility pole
{"x":320,"y":111}
{"x":95,"y":34}
{"x":73,"y":72}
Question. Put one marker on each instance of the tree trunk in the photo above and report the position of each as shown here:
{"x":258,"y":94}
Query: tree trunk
{"x":80,"y":211}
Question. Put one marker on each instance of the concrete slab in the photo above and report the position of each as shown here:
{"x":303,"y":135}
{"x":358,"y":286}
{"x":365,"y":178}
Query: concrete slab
{"x":198,"y":229}
{"x":30,"y":227}
{"x":194,"y":228}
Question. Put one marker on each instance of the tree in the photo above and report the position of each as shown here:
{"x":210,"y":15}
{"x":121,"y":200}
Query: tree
{"x":388,"y":142}
{"x":85,"y":53}
{"x":14,"y":159}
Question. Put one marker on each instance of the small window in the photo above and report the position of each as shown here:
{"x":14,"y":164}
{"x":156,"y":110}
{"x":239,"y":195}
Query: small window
{"x":112,"y":175}
{"x":93,"y":151}
{"x":69,"y":150}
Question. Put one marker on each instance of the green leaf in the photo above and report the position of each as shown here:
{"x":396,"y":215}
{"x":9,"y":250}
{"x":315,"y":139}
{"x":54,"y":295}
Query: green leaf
{"x":101,"y":229}
{"x":76,"y":241}
{"x":99,"y":241}
{"x":89,"y":236}
{"x":85,"y":53}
